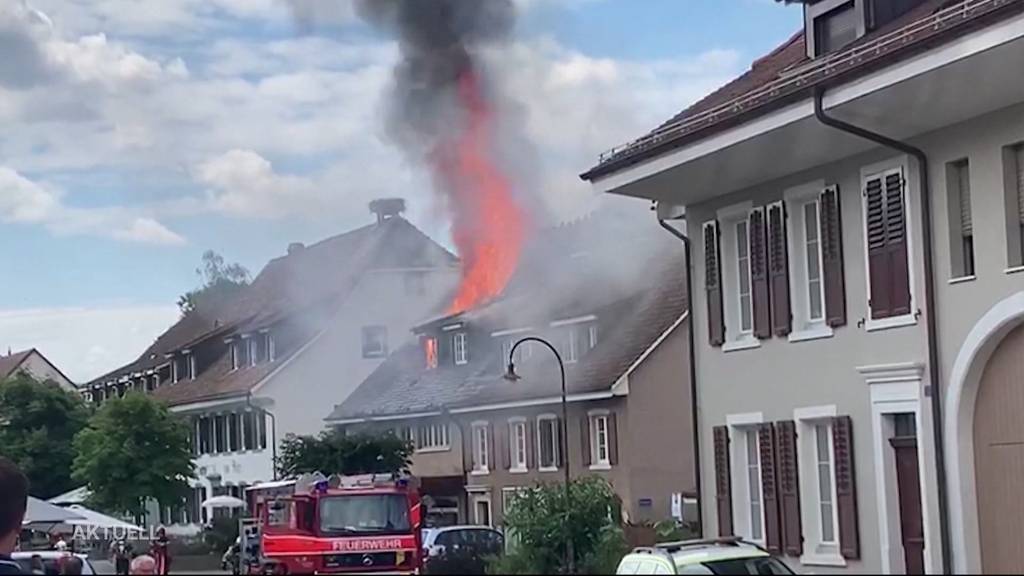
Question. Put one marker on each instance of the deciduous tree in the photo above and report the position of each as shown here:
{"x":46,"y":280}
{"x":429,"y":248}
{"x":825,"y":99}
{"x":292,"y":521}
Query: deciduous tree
{"x":333,"y":452}
{"x":134,"y":449}
{"x":38,"y":421}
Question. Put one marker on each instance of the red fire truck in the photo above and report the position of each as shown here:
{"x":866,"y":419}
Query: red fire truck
{"x":336,"y":525}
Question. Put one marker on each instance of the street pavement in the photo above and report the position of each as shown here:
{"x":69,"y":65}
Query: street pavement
{"x":106,"y":567}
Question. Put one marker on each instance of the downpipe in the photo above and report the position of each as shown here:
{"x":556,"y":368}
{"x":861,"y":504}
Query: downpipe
{"x":931,"y":322}
{"x":687,"y":249}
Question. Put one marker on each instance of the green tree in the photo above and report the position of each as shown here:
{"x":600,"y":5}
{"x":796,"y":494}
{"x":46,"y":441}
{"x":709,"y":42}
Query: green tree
{"x":220,"y":282}
{"x":134,"y":449}
{"x":38,"y":421}
{"x":538,"y":524}
{"x":333,"y":452}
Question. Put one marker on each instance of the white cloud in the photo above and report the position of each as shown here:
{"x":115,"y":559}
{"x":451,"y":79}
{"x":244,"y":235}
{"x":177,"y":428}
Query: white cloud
{"x":85,"y":342}
{"x":245,"y":184}
{"x":26,"y":202}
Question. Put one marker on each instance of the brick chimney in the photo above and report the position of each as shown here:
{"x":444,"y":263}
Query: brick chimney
{"x":387,"y":208}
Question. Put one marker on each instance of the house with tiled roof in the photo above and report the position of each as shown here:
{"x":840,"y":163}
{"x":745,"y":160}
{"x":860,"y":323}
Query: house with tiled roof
{"x":249,"y":369}
{"x":610,"y":297}
{"x":32,"y":363}
{"x":855,"y":203}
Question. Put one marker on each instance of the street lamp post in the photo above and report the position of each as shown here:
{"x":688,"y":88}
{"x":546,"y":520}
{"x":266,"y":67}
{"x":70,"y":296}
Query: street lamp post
{"x":564,"y":444}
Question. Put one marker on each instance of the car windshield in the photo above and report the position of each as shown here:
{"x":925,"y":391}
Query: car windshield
{"x":370,"y":514}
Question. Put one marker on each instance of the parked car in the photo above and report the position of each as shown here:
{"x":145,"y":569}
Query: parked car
{"x":51,"y":561}
{"x":460,"y":549}
{"x":713,"y":556}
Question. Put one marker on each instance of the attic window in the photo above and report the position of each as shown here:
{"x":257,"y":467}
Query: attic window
{"x":835,"y":29}
{"x":235,"y":360}
{"x":375,"y":341}
{"x":430,"y":349}
{"x":460,"y":348}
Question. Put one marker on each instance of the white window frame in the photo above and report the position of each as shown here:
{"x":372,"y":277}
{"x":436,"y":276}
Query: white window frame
{"x":751,"y":434}
{"x":438,"y":434}
{"x":740,"y":266}
{"x":271,"y":347}
{"x":572,"y":352}
{"x":816,"y":552}
{"x":190,"y":361}
{"x":556,"y":444}
{"x":370,"y":330}
{"x":881,"y":170}
{"x":728,"y":218}
{"x":596,"y":418}
{"x":175,"y":374}
{"x":739,"y":425}
{"x":460,"y":346}
{"x":479,"y":499}
{"x":481,"y":450}
{"x":253,"y":351}
{"x":592,"y":335}
{"x":518,"y":452}
{"x":804,"y":326}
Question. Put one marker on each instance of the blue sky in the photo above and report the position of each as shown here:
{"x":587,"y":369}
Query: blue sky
{"x":138,"y":136}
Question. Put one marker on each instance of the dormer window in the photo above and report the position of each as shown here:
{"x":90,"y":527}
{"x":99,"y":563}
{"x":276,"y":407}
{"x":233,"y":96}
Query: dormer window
{"x":254,"y":353}
{"x":430,"y":350}
{"x":460,"y":348}
{"x":268,"y":343}
{"x":833,"y":24}
{"x":175,"y":371}
{"x":375,"y":341}
{"x":236,"y":361}
{"x":191,"y":363}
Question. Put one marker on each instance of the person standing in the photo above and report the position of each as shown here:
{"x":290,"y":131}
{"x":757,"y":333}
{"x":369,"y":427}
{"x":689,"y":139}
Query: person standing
{"x":160,"y":552}
{"x":121,"y":554}
{"x":13,"y":502}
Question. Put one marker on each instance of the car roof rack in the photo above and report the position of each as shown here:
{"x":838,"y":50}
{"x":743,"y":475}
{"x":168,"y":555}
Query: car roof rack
{"x":721,"y":541}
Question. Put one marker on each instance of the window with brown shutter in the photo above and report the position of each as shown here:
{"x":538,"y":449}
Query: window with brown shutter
{"x":723,"y":481}
{"x":613,"y":440}
{"x":778,"y":270}
{"x":832,"y":257}
{"x":769,"y":489}
{"x":713,"y":283}
{"x":788,"y":487}
{"x":886,"y":226}
{"x":846,"y":487}
{"x":759,"y":274}
{"x":585,"y":448}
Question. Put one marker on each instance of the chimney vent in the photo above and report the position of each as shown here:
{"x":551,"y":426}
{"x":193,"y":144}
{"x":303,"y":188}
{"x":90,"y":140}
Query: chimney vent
{"x":295,"y":247}
{"x":387,"y":208}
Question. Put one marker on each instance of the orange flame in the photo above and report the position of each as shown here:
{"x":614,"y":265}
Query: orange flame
{"x":488,"y":223}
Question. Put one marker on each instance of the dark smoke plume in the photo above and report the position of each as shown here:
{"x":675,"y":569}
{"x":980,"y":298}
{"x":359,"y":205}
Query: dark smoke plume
{"x":439,"y":42}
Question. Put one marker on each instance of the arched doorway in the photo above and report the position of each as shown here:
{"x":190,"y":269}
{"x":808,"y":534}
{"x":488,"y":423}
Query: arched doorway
{"x":999,"y":456}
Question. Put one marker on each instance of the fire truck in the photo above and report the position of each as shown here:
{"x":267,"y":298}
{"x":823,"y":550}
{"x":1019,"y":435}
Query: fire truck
{"x":336,"y":525}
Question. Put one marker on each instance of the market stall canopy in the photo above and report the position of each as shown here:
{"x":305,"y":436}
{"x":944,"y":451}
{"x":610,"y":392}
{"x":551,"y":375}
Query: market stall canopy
{"x":41,"y":515}
{"x":101,"y":521}
{"x":223,"y":502}
{"x":77,"y":496}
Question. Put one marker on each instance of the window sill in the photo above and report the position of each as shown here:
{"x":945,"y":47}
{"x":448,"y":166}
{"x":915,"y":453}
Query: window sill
{"x":548,"y":469}
{"x":744,"y":343}
{"x":600,"y":466}
{"x":432,"y":450}
{"x":1014,"y":269}
{"x":518,"y":471}
{"x":483,"y":472}
{"x":819,"y":559}
{"x":962,"y":279}
{"x":887,"y":323}
{"x":811,"y":333}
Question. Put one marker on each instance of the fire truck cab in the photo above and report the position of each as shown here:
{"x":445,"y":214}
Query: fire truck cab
{"x":341,"y":524}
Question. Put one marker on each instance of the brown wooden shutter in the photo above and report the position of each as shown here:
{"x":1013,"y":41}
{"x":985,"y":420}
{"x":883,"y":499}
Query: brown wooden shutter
{"x":896,"y":241}
{"x":878,"y":258}
{"x":769,"y":489}
{"x":759,"y":274}
{"x":531,"y":444}
{"x":713,"y":284}
{"x":613,"y":440}
{"x":723,"y":481}
{"x":846,"y":487}
{"x":778,"y":269}
{"x":789,"y":487}
{"x":831,"y":223}
{"x":505,"y":444}
{"x":585,"y":440}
